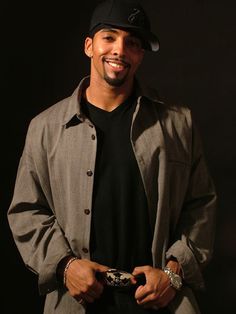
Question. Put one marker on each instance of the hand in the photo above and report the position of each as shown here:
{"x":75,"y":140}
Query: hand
{"x":81,"y":280}
{"x":157,"y":292}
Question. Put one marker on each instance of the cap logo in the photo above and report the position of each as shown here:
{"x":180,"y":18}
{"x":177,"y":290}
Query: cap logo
{"x":133,"y":16}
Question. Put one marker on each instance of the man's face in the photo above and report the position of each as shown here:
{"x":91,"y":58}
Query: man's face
{"x":115,"y":55}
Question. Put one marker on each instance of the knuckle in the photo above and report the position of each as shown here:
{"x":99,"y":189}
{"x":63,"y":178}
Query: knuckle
{"x":90,"y":283}
{"x":84,"y":289}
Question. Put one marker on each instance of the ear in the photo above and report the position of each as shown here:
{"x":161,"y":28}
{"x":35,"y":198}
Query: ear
{"x":88,"y":45}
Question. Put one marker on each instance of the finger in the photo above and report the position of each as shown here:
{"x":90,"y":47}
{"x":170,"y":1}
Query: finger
{"x":133,"y":280}
{"x":96,"y":290}
{"x":138,"y":292}
{"x":92,"y":288}
{"x":141,"y":293}
{"x":149,"y":300}
{"x":100,"y":268}
{"x":161,"y":299}
{"x":140,"y":270}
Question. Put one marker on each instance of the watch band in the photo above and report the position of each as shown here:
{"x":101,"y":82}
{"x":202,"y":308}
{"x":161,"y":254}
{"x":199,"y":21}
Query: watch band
{"x":175,"y":279}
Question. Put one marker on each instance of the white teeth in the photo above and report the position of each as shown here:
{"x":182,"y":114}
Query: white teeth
{"x":115,"y":65}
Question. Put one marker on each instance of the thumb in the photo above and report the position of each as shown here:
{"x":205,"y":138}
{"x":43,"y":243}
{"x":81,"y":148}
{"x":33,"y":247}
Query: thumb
{"x":138,"y":270}
{"x":101,"y":268}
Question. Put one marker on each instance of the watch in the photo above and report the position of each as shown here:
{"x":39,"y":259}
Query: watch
{"x":175,"y":279}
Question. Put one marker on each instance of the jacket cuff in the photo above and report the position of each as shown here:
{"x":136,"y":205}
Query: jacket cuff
{"x":48,"y":278}
{"x":191,"y":271}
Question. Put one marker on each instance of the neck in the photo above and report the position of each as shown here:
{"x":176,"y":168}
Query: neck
{"x":107,"y":97}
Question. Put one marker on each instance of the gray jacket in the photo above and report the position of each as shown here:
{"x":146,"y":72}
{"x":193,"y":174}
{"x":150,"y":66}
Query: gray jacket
{"x":54,"y":186}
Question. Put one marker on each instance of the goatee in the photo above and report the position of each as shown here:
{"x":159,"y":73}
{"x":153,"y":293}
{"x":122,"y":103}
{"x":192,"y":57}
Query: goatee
{"x":116,"y":82}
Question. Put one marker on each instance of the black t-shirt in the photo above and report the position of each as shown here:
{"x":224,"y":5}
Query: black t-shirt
{"x":120,"y":230}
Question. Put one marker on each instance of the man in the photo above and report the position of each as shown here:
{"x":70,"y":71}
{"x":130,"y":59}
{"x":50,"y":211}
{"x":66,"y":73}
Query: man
{"x":113,"y":205}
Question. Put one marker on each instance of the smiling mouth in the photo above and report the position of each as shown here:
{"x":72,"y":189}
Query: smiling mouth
{"x":117,"y":64}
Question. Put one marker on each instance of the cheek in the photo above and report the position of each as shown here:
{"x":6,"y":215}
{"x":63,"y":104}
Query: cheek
{"x":102,"y":50}
{"x":136,"y":62}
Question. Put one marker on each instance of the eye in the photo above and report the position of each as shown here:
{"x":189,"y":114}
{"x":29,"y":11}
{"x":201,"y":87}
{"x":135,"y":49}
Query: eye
{"x":108,"y":38}
{"x":134,"y":42}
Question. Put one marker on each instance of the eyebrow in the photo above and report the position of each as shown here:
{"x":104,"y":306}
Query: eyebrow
{"x":113,"y":30}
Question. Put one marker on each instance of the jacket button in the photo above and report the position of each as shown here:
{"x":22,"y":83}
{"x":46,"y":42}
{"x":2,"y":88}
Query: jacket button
{"x":87,"y":211}
{"x":89,"y":173}
{"x":93,"y":137}
{"x":85,"y":250}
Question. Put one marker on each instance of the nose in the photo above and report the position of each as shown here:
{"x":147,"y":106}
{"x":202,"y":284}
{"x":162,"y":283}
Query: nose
{"x":119,"y":48}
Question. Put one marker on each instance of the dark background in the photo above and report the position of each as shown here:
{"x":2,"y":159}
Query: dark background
{"x":43,"y":61}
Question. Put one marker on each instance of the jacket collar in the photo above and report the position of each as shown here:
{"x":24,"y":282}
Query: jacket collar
{"x":74,"y":106}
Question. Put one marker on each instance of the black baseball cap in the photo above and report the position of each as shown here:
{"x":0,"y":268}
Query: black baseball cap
{"x":124,"y":14}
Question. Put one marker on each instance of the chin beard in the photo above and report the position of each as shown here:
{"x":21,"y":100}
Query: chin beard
{"x":116,"y":82}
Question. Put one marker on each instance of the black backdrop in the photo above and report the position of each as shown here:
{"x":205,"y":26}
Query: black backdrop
{"x":43,"y":62}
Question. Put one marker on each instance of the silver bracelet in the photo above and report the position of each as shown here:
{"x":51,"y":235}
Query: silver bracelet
{"x":66,"y":268}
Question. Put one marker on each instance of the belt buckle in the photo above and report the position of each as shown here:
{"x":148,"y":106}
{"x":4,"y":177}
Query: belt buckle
{"x":118,"y":278}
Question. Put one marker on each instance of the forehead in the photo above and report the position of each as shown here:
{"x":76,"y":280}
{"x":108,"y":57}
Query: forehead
{"x":118,"y":32}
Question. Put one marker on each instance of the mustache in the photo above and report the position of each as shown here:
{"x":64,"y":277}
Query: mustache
{"x":116,"y":59}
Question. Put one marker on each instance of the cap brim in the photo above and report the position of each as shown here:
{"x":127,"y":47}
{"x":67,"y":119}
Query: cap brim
{"x":152,"y":41}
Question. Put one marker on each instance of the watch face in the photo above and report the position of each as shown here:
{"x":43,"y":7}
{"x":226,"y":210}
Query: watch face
{"x":176,"y":282}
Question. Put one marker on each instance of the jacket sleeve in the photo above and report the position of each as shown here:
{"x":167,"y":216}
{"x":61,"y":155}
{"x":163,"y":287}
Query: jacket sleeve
{"x":193,"y":239}
{"x":36,"y":232}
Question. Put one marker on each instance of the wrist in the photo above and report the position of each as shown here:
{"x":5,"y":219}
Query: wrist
{"x":173,"y":271}
{"x":175,"y":279}
{"x":62,"y":266}
{"x":174,"y":266}
{"x":67,"y":265}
